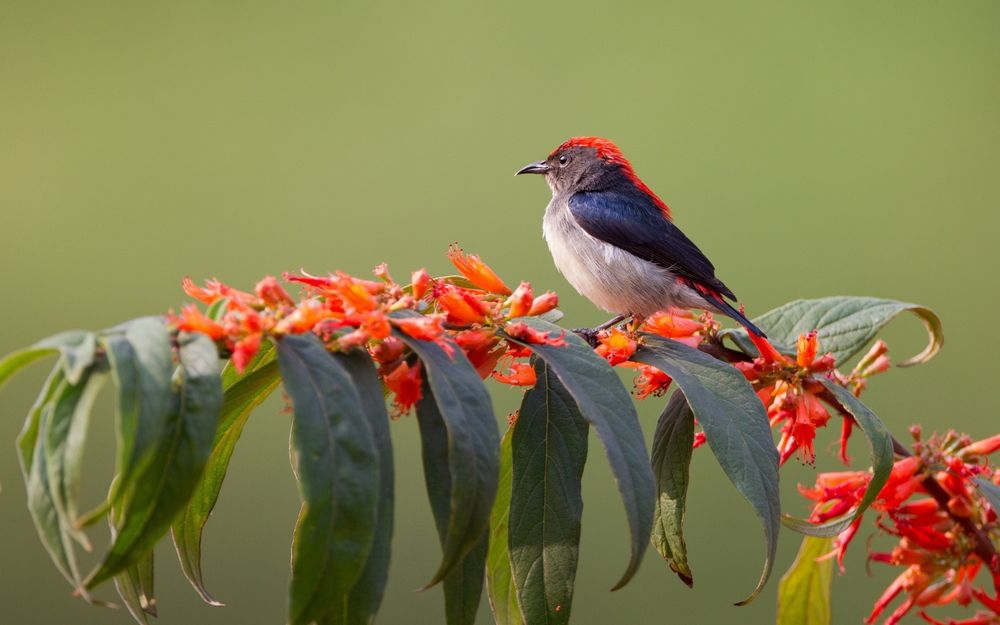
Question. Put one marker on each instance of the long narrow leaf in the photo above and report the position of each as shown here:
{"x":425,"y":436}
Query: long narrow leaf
{"x":135,"y":587}
{"x":463,"y":581}
{"x":58,"y":397}
{"x":499,"y":578}
{"x":880,"y":444}
{"x":240,"y":398}
{"x":472,"y":446}
{"x":804,"y":591}
{"x":366,"y":596}
{"x":337,"y":468}
{"x":671,"y":464}
{"x":171,"y":468}
{"x":62,"y":447}
{"x":736,"y":427}
{"x":606,"y":405}
{"x":549,"y":452}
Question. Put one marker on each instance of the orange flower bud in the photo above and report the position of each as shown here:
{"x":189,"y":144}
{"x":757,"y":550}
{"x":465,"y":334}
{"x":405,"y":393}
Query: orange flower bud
{"x":520,"y":301}
{"x":270,"y":291}
{"x":672,"y":324}
{"x":461,"y":306}
{"x":421,"y":282}
{"x":476,"y":271}
{"x":879,"y":348}
{"x":880,"y":365}
{"x":424,"y":328}
{"x":544,"y":303}
{"x":982,"y":447}
{"x":381,"y":272}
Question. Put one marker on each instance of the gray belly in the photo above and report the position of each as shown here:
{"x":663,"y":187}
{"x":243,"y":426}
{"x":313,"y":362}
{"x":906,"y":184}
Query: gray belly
{"x":610,"y":277}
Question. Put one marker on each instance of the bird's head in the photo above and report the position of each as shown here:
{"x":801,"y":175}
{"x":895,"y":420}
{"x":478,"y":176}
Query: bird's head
{"x":589,"y":164}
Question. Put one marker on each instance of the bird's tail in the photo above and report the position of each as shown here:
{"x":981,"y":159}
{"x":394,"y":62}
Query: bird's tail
{"x":718,"y":302}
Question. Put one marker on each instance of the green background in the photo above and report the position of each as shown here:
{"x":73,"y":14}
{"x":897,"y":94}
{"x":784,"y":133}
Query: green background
{"x":809,"y":148}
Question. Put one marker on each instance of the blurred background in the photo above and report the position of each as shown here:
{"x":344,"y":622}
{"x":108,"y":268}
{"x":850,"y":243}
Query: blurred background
{"x":810,"y":149}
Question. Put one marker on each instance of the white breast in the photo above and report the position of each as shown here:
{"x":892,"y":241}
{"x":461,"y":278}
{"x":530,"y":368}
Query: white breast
{"x":610,"y":277}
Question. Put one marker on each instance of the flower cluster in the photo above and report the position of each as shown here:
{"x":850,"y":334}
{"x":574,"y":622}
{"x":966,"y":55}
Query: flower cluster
{"x":945,"y":529}
{"x":347,"y":312}
{"x":794,"y":398}
{"x":618,"y":346}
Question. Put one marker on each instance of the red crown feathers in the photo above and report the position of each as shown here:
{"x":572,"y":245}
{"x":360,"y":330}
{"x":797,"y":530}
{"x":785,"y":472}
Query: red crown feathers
{"x":608,"y":151}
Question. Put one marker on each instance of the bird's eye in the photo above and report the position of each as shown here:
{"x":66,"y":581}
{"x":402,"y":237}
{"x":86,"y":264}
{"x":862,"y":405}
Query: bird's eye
{"x":563,"y":159}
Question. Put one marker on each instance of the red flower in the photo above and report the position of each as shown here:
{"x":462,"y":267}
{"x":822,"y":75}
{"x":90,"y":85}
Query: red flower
{"x":244,"y":350}
{"x":481,"y":347}
{"x":192,"y":319}
{"x":404,"y":381}
{"x":517,"y":374}
{"x":476,"y":271}
{"x":215,"y":291}
{"x":615,"y":346}
{"x":650,"y":381}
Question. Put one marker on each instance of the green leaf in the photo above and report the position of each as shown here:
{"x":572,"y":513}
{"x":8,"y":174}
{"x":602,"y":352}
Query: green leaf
{"x":991,"y":491}
{"x":166,"y":473}
{"x":880,"y":444}
{"x":366,"y":596}
{"x":77,"y":349}
{"x":468,"y":431}
{"x":62,"y":445}
{"x":135,"y":587}
{"x":58,"y":399}
{"x":463,"y":580}
{"x":736,"y":427}
{"x":241,"y":396}
{"x":606,"y":405}
{"x":549,"y":452}
{"x":141,"y":368}
{"x":672,"y":447}
{"x":845,"y":325}
{"x":804,"y":591}
{"x":499,"y":580}
{"x":336,"y":465}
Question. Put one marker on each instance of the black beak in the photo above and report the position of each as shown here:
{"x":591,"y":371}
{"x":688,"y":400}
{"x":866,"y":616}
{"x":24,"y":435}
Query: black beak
{"x":541,"y":167}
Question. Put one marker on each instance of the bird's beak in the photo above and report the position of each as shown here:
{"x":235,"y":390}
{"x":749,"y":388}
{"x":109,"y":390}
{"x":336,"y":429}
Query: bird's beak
{"x":541,"y":167}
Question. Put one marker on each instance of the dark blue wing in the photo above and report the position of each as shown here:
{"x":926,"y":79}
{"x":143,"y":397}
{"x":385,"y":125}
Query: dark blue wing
{"x":632,"y":222}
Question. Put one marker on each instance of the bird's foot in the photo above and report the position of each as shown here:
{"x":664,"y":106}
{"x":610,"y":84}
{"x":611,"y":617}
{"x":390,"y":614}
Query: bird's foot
{"x":588,"y":334}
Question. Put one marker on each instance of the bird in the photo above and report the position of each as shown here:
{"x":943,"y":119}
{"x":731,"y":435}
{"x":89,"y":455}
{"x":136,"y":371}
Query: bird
{"x":615,"y":242}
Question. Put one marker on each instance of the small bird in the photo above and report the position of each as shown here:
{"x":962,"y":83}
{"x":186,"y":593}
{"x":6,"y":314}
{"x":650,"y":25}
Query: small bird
{"x":614,"y":240}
